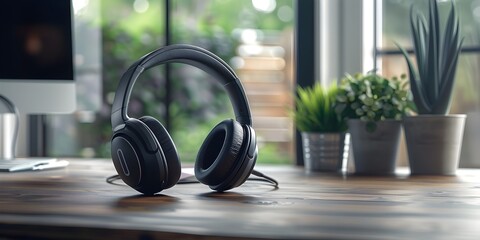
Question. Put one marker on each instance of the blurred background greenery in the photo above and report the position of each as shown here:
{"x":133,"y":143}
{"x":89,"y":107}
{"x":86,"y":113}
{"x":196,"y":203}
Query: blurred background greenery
{"x":254,"y":37}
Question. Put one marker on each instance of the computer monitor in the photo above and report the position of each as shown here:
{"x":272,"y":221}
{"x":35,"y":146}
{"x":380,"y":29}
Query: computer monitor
{"x":36,"y":55}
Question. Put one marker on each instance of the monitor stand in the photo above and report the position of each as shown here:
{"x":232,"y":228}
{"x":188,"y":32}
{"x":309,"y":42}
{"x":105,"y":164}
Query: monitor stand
{"x":8,"y":135}
{"x":8,"y":138}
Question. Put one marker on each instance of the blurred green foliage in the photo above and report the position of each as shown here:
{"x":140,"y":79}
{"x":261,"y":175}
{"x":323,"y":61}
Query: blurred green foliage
{"x":314,"y":110}
{"x":373,"y":98}
{"x":198,"y":103}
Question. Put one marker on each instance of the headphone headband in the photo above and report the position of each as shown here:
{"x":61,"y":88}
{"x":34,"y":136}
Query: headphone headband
{"x":191,"y":55}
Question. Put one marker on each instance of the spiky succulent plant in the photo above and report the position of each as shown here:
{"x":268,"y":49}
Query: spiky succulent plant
{"x":314,"y":110}
{"x":436,"y":52}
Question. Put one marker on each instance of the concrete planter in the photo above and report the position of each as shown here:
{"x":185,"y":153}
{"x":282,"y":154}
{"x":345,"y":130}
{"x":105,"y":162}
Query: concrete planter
{"x":374,"y":153}
{"x":434,"y":143}
{"x":324,"y":151}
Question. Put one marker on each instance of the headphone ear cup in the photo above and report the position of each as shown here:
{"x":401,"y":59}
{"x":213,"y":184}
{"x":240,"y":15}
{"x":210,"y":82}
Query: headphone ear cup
{"x":219,"y":152}
{"x":169,"y":150}
{"x":138,"y":158}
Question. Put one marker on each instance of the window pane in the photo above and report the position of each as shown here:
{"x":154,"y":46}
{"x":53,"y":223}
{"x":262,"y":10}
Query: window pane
{"x":396,"y":20}
{"x":395,"y":27}
{"x":254,"y":37}
{"x":466,"y":99}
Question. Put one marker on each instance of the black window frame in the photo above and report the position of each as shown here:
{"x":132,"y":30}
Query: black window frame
{"x":305,"y":62}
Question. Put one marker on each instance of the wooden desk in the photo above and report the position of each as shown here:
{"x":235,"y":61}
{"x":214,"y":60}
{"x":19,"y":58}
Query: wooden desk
{"x":77,"y":203}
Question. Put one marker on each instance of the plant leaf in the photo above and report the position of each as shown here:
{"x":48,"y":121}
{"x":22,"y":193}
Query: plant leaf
{"x":415,"y":85}
{"x":422,"y":58}
{"x":450,"y":29}
{"x":452,"y":48}
{"x":443,"y":105}
{"x":432,"y":82}
{"x":419,"y":33}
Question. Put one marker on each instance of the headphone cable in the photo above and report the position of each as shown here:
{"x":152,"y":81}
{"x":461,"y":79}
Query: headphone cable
{"x":260,"y":178}
{"x":263,"y":178}
{"x":112,"y":179}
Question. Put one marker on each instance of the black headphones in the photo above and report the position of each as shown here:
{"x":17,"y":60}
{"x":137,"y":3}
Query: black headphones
{"x":143,"y":152}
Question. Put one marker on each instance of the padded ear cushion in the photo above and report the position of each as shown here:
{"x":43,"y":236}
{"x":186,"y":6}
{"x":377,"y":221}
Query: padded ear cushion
{"x":219,"y":152}
{"x":169,"y":150}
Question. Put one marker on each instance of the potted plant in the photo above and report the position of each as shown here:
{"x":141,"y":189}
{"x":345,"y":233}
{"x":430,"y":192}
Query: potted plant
{"x":323,"y":132}
{"x":374,"y":107}
{"x":433,"y":137}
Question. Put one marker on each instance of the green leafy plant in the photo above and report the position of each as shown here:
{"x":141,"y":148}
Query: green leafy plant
{"x":437,"y":55}
{"x":373,"y":98}
{"x":314,"y":110}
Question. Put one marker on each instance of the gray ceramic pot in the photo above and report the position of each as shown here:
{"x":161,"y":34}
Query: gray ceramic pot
{"x":324,"y":151}
{"x":374,"y":153}
{"x":434,"y":143}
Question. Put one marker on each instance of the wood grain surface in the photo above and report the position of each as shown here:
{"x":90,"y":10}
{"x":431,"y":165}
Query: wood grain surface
{"x":77,"y":203}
